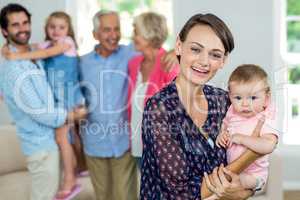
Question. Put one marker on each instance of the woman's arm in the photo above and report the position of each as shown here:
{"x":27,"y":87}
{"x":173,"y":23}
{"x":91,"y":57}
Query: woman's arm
{"x":241,"y":163}
{"x":264,"y":144}
{"x":57,"y":49}
{"x":169,"y":60}
{"x":226,"y":190}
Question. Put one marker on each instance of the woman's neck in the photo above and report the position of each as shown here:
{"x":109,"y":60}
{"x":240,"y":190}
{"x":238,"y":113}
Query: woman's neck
{"x":193,"y":100}
{"x":190,"y":93}
{"x":150,"y":55}
{"x":148,"y":62}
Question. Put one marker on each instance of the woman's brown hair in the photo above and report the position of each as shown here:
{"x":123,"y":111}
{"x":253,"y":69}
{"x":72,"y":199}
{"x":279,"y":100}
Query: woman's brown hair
{"x":216,"y":24}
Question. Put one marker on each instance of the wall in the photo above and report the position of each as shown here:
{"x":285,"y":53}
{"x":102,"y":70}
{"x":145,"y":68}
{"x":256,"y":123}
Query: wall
{"x":252,"y":32}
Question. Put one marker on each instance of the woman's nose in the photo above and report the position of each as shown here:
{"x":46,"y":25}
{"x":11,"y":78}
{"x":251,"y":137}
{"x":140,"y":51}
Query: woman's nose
{"x":203,"y":59}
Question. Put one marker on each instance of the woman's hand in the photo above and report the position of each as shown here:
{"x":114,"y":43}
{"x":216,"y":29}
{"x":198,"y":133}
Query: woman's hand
{"x":169,"y":61}
{"x":219,"y":185}
{"x":212,"y":197}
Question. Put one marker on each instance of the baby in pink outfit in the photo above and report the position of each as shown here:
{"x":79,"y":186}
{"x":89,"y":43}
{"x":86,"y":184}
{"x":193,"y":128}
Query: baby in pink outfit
{"x":250,"y":97}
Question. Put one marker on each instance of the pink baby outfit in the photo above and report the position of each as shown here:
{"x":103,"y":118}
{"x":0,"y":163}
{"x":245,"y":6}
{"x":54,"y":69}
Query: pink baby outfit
{"x":238,"y":124}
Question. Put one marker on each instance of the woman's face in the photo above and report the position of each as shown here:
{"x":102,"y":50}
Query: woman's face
{"x":202,"y":54}
{"x":140,"y":43}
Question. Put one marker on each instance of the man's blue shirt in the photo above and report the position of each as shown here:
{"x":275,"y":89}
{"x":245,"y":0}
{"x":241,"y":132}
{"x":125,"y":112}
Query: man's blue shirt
{"x":104,"y":82}
{"x":30,"y":101}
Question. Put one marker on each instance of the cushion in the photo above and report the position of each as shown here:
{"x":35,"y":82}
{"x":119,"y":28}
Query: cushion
{"x":11,"y":156}
{"x":15,"y":186}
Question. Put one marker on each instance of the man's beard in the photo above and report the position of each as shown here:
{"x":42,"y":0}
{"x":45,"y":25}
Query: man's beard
{"x":17,"y":40}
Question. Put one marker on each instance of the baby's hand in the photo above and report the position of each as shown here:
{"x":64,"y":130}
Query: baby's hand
{"x":223,"y":139}
{"x":236,"y":139}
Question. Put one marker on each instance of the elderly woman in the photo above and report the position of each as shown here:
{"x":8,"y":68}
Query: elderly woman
{"x":146,"y":72}
{"x":182,"y":121}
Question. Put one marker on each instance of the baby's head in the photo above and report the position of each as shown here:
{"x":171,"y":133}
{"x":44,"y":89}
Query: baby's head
{"x":249,"y":90}
{"x":59,"y":25}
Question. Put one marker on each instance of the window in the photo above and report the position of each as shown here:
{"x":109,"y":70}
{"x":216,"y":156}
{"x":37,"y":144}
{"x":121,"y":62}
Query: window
{"x":293,"y":26}
{"x":127,"y":10}
{"x":292,"y":59}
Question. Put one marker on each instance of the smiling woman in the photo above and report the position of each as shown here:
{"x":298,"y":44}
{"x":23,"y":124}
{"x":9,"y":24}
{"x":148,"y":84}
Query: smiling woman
{"x":206,"y":55}
{"x":182,"y":121}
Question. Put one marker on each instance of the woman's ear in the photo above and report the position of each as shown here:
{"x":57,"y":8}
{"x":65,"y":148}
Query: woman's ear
{"x":178,"y":46}
{"x":225,"y":60}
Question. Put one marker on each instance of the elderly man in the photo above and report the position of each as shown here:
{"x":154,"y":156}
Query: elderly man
{"x":105,"y":132}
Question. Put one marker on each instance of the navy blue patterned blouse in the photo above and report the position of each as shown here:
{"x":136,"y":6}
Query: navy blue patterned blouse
{"x":175,"y":153}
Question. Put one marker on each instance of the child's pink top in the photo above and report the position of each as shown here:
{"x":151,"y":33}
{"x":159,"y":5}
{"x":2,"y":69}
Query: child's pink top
{"x":242,"y":125}
{"x":66,"y":40}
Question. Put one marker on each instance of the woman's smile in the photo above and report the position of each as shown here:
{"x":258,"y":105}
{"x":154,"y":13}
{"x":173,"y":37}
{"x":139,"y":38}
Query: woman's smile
{"x":200,"y":71}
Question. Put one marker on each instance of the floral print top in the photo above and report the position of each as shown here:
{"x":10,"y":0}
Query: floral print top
{"x":175,"y":152}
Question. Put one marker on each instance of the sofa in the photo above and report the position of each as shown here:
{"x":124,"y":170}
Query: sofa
{"x":14,"y":177}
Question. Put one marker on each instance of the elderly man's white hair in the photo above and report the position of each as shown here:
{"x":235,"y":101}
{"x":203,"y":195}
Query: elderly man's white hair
{"x":96,"y":18}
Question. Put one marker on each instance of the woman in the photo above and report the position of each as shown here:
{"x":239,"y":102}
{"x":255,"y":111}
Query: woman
{"x":146,"y":72}
{"x":182,"y":121}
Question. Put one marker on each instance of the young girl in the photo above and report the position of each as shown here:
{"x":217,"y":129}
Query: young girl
{"x":61,"y":66}
{"x":250,"y":97}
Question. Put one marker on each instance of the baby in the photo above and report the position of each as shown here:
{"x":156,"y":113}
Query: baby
{"x":250,"y":97}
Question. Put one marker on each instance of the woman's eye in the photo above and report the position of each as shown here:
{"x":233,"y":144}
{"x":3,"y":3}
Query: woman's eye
{"x":216,"y":55}
{"x":195,"y":50}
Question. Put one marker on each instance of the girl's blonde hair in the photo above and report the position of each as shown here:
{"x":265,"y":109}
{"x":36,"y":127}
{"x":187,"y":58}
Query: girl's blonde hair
{"x":67,"y":18}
